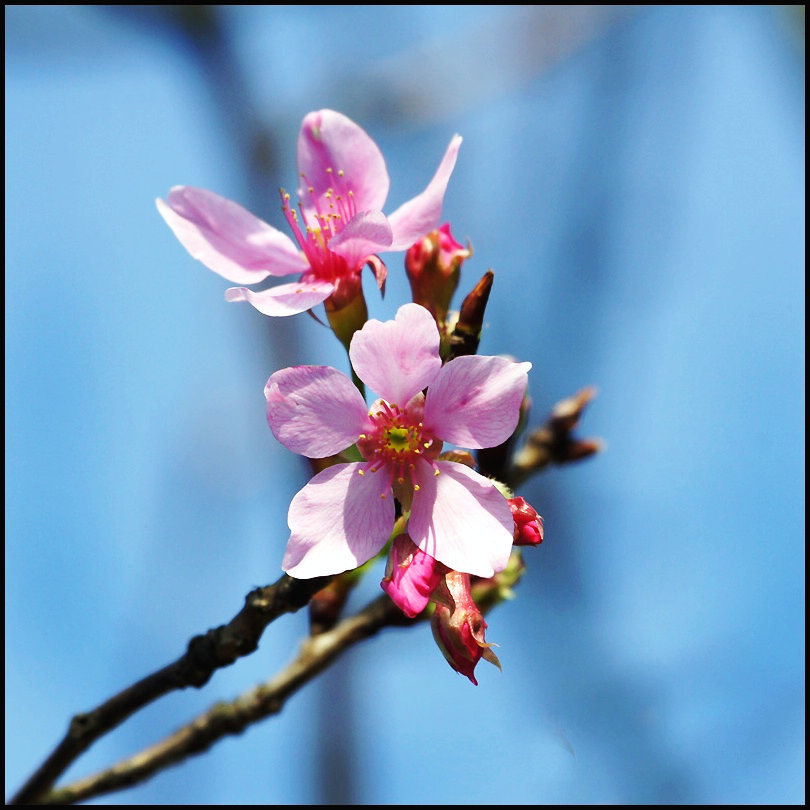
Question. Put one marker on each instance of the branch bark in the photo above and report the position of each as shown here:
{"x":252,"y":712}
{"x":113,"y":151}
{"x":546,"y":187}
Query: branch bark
{"x":205,"y":654}
{"x":227,"y":718}
{"x":554,"y":442}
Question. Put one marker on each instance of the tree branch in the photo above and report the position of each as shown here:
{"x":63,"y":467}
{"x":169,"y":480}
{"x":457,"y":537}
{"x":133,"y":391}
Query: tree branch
{"x":206,"y":653}
{"x":554,"y":442}
{"x":226,"y":718}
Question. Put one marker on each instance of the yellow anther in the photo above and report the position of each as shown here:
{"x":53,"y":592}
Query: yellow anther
{"x":416,"y":487}
{"x":340,"y":172}
{"x":436,"y":472}
{"x":382,"y":495}
{"x":362,"y":436}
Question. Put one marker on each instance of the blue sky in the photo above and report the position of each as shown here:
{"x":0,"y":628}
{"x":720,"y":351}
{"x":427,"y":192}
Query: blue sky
{"x":636,"y":182}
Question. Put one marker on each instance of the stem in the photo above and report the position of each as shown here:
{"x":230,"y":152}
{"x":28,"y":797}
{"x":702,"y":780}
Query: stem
{"x":228,"y":718}
{"x":205,"y":654}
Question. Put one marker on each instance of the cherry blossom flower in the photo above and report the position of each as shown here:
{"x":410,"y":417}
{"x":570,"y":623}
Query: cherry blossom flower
{"x":345,"y":514}
{"x":339,"y":226}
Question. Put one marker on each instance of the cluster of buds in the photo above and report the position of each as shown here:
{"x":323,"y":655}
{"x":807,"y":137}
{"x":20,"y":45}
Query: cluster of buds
{"x":454,"y":600}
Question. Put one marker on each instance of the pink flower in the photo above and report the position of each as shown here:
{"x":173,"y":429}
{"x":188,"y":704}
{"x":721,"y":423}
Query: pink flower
{"x":411,"y":576}
{"x":345,"y":514}
{"x":343,"y":187}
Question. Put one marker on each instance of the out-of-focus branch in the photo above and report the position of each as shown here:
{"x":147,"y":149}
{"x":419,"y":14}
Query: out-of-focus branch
{"x":554,"y":442}
{"x":316,"y":653}
{"x":205,"y":654}
{"x":226,"y":718}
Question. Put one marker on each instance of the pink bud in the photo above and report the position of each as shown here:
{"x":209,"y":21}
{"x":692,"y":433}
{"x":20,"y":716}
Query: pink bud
{"x":458,"y":626}
{"x":410,"y":576}
{"x":528,"y":524}
{"x":433,"y":265}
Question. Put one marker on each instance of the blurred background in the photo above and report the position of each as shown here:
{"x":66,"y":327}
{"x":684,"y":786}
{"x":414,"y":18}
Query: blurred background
{"x":635,"y":178}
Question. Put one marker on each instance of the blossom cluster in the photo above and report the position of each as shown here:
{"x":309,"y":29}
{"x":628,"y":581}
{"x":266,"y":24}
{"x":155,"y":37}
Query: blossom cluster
{"x":393,"y":477}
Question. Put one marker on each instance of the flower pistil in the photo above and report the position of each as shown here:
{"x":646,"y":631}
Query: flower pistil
{"x":396,"y":441}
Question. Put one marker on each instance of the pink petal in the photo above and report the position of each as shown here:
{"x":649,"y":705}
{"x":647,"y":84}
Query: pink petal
{"x":461,"y":519}
{"x":420,"y":215}
{"x":314,"y":410}
{"x":330,"y":140}
{"x":398,"y":358}
{"x":338,"y":521}
{"x":475,"y":401}
{"x":284,"y":299}
{"x":364,"y":235}
{"x":227,"y":238}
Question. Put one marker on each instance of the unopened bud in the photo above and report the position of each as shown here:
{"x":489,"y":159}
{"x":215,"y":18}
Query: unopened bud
{"x":528,"y":524}
{"x":433,"y":265}
{"x":458,"y":626}
{"x":411,"y":576}
{"x":467,"y":331}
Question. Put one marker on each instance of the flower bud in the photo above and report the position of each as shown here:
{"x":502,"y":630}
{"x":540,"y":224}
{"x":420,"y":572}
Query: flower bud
{"x":528,"y":524}
{"x":458,"y":626}
{"x":433,"y":266}
{"x":411,"y":576}
{"x":466,"y":332}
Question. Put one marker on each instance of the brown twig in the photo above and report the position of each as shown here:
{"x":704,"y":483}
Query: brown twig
{"x":226,"y":718}
{"x":554,"y":442}
{"x":205,"y":654}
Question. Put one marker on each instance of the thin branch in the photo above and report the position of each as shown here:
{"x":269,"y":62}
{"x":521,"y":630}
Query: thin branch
{"x":205,"y":654}
{"x":227,"y":718}
{"x":554,"y":442}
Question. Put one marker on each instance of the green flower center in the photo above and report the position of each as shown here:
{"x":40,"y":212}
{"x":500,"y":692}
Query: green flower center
{"x":400,"y":439}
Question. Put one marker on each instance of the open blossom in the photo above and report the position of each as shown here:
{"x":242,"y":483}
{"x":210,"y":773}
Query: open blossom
{"x":338,"y":228}
{"x":345,"y":514}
